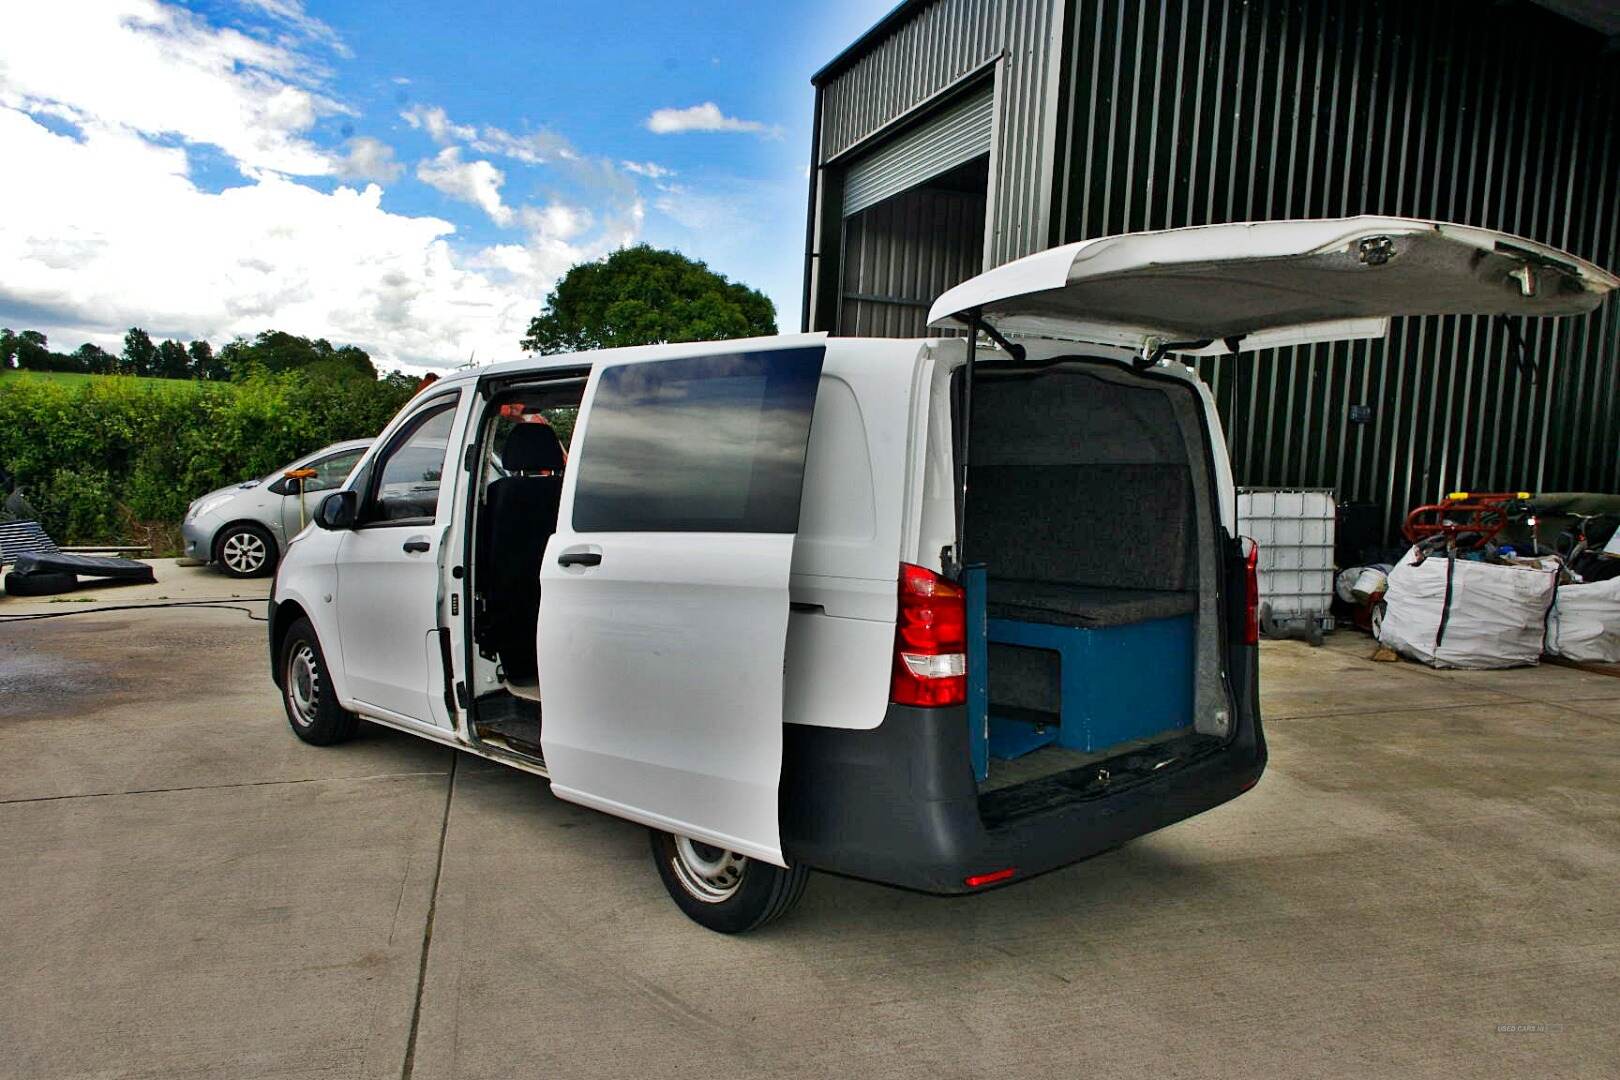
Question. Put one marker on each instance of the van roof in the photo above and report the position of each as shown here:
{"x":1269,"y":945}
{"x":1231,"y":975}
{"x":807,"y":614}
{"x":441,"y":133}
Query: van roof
{"x":870,"y":347}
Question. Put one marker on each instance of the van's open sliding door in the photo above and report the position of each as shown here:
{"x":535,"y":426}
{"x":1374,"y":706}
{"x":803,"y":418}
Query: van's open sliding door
{"x":664,"y":591}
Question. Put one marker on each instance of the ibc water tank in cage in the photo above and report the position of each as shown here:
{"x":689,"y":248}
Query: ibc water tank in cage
{"x":1294,"y":528}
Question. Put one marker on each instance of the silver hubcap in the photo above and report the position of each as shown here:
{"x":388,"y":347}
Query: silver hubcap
{"x":303,"y":685}
{"x":709,"y":873}
{"x":243,"y":552}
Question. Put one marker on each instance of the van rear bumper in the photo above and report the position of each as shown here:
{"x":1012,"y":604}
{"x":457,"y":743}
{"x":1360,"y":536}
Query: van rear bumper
{"x":898,"y":804}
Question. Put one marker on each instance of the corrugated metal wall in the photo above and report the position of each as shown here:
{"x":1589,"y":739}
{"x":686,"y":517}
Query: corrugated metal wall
{"x":937,"y":47}
{"x":902,"y":253}
{"x":1188,"y":112}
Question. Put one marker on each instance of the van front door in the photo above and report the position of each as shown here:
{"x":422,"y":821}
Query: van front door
{"x":664,"y":591}
{"x":388,"y":569}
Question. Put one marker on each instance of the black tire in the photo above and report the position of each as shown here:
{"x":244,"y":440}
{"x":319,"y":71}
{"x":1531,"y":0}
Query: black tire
{"x":306,"y":692}
{"x":46,"y":584}
{"x":245,"y":550}
{"x":759,"y":894}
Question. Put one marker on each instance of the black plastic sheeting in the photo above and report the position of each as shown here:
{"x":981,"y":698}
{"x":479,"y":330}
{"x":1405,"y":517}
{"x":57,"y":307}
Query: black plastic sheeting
{"x":41,"y":574}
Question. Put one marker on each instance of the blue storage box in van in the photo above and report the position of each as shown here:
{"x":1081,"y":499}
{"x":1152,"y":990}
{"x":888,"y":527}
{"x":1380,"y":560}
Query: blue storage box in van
{"x":1116,"y":684}
{"x":1083,"y":688}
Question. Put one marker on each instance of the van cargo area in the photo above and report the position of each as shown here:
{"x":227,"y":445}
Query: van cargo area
{"x":1090,"y":534}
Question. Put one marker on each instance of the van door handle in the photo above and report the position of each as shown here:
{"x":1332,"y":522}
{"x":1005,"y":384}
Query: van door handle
{"x":416,"y":543}
{"x":580,"y":558}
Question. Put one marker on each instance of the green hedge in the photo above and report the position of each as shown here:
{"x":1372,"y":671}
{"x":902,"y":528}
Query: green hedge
{"x":100,"y":458}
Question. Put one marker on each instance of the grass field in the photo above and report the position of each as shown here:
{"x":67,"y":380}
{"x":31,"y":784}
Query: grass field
{"x":79,"y":377}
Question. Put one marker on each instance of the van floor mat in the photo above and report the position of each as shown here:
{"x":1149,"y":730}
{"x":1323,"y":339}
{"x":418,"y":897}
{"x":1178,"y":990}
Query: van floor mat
{"x":509,"y":719}
{"x":1033,"y":766}
{"x":126,"y":570}
{"x":1061,"y":604}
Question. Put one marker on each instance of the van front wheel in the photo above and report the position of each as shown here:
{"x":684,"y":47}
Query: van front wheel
{"x":306,"y":690}
{"x":724,"y":891}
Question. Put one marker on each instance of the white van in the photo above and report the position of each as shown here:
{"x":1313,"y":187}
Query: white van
{"x":914,"y":611}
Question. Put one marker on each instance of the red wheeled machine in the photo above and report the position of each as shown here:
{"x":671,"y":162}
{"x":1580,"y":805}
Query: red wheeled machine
{"x":1466,"y":519}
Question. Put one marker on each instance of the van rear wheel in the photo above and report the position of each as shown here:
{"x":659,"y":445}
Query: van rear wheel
{"x":722,"y":890}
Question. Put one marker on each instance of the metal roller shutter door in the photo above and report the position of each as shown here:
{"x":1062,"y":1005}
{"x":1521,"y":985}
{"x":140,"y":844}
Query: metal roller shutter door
{"x":955,"y":136}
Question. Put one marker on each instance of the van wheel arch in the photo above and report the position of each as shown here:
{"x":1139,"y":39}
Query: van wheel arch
{"x":281,"y":620}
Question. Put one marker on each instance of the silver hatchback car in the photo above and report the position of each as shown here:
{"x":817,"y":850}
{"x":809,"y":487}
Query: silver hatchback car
{"x":245,"y":527}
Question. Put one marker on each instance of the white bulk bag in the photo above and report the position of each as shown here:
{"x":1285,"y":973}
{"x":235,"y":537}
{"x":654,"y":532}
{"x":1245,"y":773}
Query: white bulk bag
{"x":1498,"y":614}
{"x":1585,"y":622}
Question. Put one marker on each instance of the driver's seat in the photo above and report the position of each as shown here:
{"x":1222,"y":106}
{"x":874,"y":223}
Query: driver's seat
{"x":520,"y":514}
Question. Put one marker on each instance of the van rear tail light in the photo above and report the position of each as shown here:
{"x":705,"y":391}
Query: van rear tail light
{"x":1251,"y":601}
{"x":930,"y":641}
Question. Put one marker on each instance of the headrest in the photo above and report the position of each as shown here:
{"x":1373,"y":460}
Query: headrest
{"x":532,"y":448}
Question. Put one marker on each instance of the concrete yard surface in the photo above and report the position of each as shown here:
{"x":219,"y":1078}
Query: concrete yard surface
{"x":175,"y":583}
{"x":1426,"y":882}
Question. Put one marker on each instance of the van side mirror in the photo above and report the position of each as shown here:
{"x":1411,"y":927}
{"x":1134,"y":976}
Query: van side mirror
{"x":338,"y":510}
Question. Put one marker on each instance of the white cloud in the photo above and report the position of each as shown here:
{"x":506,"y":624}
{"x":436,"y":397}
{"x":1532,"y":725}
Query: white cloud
{"x":536,"y":148}
{"x":704,"y":117}
{"x":365,"y":158}
{"x":105,"y":228}
{"x":153,"y":250}
{"x":557,"y":220}
{"x":162,"y":71}
{"x":476,"y":182}
{"x":436,"y":122}
{"x":623,"y":209}
{"x":651,"y":170}
{"x":291,"y":13}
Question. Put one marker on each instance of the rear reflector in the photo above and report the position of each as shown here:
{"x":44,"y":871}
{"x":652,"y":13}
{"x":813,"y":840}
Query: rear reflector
{"x":930,"y":641}
{"x":991,"y":878}
{"x":1251,"y":609}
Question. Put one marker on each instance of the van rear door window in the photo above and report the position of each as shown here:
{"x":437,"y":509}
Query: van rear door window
{"x":698,"y":444}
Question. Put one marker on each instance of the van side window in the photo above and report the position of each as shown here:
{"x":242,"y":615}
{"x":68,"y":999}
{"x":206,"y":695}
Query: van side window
{"x":698,"y":444}
{"x":408,"y":470}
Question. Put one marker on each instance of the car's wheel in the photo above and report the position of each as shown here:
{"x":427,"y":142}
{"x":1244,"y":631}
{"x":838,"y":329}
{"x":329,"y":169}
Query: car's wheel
{"x":247,"y":551}
{"x":722,"y":890}
{"x":306,"y":690}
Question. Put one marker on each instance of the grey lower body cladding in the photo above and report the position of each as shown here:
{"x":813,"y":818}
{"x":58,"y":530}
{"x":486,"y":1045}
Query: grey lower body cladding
{"x":899,"y":805}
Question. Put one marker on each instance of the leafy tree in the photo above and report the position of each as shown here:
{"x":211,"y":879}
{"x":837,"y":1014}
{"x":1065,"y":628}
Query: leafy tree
{"x":204,"y":364}
{"x":277,"y":351}
{"x":8,"y":348}
{"x":140,"y":355}
{"x":95,"y":359}
{"x":171,"y":361}
{"x":33,"y":351}
{"x":641,"y":296}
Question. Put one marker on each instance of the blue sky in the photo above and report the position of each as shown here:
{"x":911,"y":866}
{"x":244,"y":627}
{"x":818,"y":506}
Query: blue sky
{"x":407,"y":175}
